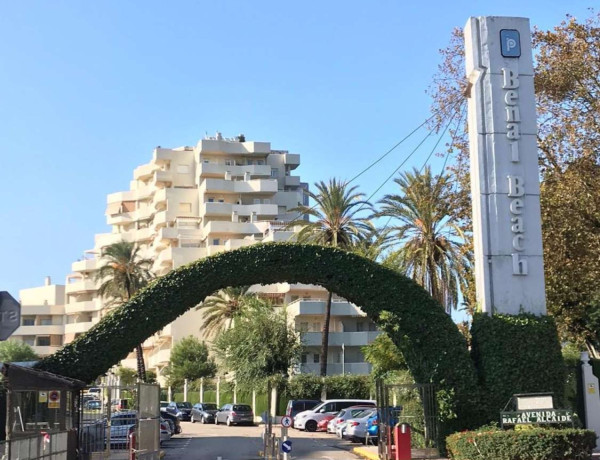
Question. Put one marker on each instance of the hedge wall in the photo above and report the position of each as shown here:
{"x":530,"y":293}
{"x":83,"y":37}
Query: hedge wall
{"x":434,"y":349}
{"x":516,"y":354}
{"x":531,"y":444}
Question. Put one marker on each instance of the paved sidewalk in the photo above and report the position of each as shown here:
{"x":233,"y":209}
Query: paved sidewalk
{"x":371,"y":453}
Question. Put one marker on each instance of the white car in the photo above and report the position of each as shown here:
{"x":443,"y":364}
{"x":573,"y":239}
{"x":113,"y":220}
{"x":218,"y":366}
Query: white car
{"x":333,"y":426}
{"x":309,"y":419}
{"x":356,"y":428}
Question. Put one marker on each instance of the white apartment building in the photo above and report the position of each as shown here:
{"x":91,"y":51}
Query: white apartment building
{"x":185,"y":204}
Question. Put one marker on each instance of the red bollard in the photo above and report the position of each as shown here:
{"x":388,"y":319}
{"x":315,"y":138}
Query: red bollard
{"x":402,"y":439}
{"x":132,"y":445}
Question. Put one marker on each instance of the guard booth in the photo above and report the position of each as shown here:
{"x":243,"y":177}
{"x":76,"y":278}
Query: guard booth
{"x":41,"y":416}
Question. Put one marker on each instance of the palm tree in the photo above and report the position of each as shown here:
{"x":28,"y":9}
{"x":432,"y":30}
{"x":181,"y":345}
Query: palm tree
{"x":432,"y":251}
{"x":335,"y":223}
{"x":124,"y":273}
{"x":223,"y":307}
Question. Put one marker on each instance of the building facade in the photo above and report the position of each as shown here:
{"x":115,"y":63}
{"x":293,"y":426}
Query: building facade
{"x":185,"y":204}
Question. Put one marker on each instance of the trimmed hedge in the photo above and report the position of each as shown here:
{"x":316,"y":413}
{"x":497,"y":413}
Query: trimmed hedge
{"x":434,"y":349}
{"x":516,"y":354}
{"x":531,"y":444}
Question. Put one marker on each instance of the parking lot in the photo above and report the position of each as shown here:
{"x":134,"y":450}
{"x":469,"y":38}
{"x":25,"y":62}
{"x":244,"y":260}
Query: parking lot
{"x":209,"y":442}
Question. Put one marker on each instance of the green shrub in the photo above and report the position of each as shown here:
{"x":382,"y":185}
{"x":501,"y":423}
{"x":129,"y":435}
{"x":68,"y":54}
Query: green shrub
{"x":516,"y":354}
{"x":531,"y":444}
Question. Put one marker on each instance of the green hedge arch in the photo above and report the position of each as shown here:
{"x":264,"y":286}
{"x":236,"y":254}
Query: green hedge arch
{"x":434,"y":349}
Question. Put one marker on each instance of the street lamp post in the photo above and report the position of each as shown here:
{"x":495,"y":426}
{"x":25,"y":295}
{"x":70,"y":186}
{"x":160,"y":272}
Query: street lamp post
{"x":343,"y":359}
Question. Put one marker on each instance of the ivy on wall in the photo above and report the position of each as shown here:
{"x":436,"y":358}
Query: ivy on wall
{"x":434,"y":349}
{"x":516,"y":354}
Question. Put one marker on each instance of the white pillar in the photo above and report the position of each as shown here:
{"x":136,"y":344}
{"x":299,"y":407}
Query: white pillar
{"x":273,"y":402}
{"x":591,"y":396}
{"x":218,"y":391}
{"x":234,"y":393}
{"x":185,"y":389}
{"x":254,"y":402}
{"x":202,"y":389}
{"x":170,"y":393}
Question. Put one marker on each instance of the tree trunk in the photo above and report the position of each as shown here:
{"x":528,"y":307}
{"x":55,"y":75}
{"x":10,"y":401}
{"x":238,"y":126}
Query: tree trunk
{"x":141,"y":367}
{"x":325,"y":340}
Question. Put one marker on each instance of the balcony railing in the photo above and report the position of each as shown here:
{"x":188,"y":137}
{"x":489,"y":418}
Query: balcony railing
{"x":337,"y":339}
{"x":337,"y":368}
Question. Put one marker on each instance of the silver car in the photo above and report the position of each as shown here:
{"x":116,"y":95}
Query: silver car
{"x":343,"y":415}
{"x":356,"y":428}
{"x":234,"y":414}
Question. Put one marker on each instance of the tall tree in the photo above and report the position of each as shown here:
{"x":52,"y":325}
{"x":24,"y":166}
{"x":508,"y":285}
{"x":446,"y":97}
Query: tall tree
{"x":190,"y":360}
{"x":221,"y":308}
{"x":123,"y":273}
{"x":262,"y":344}
{"x":431,"y":240}
{"x":335,"y":222}
{"x":12,"y":351}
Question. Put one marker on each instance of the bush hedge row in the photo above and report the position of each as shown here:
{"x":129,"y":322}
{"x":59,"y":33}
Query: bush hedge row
{"x":516,"y":354}
{"x":531,"y":444}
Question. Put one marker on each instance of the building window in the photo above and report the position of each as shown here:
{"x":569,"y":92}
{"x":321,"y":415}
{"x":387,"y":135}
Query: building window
{"x":303,"y":327}
{"x":228,"y":162}
{"x":29,"y":340}
{"x":250,"y":162}
{"x":46,"y":321}
{"x":221,"y":201}
{"x":28,"y":321}
{"x":316,"y":358}
{"x":260,"y":162}
{"x":43,"y":341}
{"x":216,"y":242}
{"x":304,"y":358}
{"x":256,"y":200}
{"x":274,"y":172}
{"x":316,"y":327}
{"x":211,"y":200}
{"x":360,"y":326}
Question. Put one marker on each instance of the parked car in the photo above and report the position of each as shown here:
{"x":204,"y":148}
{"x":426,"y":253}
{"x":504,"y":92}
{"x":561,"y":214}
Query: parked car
{"x":175,"y":421}
{"x":322,"y":425}
{"x":340,"y":418}
{"x":295,"y":406}
{"x":356,"y":428}
{"x":183,"y":410}
{"x":164,"y":405}
{"x":204,"y":412}
{"x":234,"y":414}
{"x":92,"y":404}
{"x":165,"y":431}
{"x":120,"y":425}
{"x":373,"y":422}
{"x":309,"y":419}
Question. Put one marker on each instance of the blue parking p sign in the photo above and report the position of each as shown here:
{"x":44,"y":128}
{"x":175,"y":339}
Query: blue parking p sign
{"x":286,"y":446}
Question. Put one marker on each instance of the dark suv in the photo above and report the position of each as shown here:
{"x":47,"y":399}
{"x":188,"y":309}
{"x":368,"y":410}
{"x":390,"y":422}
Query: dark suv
{"x":183,"y":410}
{"x":204,"y":412}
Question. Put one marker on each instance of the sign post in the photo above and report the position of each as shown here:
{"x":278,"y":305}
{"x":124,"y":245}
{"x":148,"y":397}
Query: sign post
{"x":10,"y":315}
{"x":286,"y":444}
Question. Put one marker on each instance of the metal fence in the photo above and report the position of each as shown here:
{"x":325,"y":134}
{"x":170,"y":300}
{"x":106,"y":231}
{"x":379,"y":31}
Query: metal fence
{"x":110,"y":414}
{"x":412,"y":404}
{"x":46,"y":445}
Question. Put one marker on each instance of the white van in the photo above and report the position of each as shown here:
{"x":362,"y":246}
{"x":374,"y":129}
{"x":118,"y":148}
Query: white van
{"x":308,"y":419}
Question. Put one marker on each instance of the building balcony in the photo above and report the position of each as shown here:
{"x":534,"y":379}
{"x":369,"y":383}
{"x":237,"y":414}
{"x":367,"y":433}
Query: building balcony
{"x":160,"y":199}
{"x":54,"y":329}
{"x":218,"y":170}
{"x":231,"y":228}
{"x":129,"y":195}
{"x":337,"y":368}
{"x":292,"y":181}
{"x":239,"y":186}
{"x":85,"y":265}
{"x":317,"y":307}
{"x":144,"y":172}
{"x":159,"y":358}
{"x":162,"y":178}
{"x":176,"y":257}
{"x":43,"y":351}
{"x":45,"y":310}
{"x":266,"y":211}
{"x":83,"y":307}
{"x":239,"y":148}
{"x":80,"y":286}
{"x":337,"y":339}
{"x":292,"y":160}
{"x":75,"y":328}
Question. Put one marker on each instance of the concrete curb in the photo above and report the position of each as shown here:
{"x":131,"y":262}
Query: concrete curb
{"x":365,"y":453}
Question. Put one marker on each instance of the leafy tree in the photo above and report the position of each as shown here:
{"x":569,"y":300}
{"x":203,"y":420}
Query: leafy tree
{"x":336,"y":222}
{"x":384,"y":356}
{"x":431,"y":239}
{"x":221,"y":308}
{"x":126,"y":375}
{"x":261,"y":345}
{"x":15,"y":351}
{"x":123,"y":274}
{"x":150,"y":376}
{"x":190,"y":360}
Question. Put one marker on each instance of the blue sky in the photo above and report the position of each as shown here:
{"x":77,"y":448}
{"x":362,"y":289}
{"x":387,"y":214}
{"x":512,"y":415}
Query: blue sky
{"x":88,"y":89}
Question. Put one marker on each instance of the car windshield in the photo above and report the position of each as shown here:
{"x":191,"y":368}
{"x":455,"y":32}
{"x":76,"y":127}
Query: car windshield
{"x":209,"y":407}
{"x":164,"y":404}
{"x":184,"y":405}
{"x":120,"y":421}
{"x":242,"y":408}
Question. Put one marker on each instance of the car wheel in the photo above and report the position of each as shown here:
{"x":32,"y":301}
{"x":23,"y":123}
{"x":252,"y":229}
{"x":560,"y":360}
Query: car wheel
{"x":192,"y":419}
{"x":310,"y":425}
{"x":203,"y":420}
{"x":216,"y":420}
{"x":228,"y":421}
